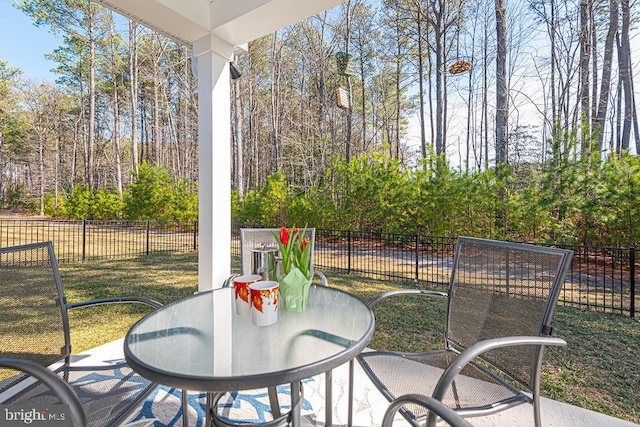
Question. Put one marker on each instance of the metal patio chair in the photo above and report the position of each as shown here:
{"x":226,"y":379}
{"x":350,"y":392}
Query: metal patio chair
{"x":35,"y":327}
{"x":500,"y":302}
{"x":58,"y":387}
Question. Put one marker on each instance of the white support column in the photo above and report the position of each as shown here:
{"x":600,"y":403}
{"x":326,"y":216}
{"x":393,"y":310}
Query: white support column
{"x":214,"y":150}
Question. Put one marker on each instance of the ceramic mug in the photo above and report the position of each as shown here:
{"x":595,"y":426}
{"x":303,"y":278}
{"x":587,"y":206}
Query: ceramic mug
{"x":264,"y":302}
{"x":243,"y":300}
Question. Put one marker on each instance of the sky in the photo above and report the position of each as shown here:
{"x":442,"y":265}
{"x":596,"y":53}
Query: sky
{"x":24,"y":45}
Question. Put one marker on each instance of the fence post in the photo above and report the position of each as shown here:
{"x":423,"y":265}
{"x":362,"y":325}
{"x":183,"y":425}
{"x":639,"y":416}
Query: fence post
{"x":195,"y":236}
{"x":632,"y":282}
{"x":417,"y":257}
{"x":349,"y":252}
{"x":148,"y":237}
{"x":84,"y":239}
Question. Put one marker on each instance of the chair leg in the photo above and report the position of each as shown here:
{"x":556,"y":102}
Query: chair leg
{"x":351,"y":376}
{"x":328,"y":398}
{"x":536,"y":410}
{"x":273,"y":401}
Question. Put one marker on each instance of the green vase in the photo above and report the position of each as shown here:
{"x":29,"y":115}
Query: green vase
{"x":294,"y":291}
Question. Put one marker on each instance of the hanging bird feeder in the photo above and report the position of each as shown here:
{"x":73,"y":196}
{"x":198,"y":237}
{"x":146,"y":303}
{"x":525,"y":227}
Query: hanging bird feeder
{"x":343,"y":62}
{"x":459,"y":66}
{"x":342,"y":96}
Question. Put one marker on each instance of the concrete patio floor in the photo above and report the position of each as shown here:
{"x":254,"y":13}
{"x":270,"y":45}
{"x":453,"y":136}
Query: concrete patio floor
{"x":369,"y":404}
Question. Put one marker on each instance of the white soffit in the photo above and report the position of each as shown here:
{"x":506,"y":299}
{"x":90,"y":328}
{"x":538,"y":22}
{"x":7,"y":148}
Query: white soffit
{"x":234,"y":21}
{"x":241,"y":21}
{"x":183,"y":21}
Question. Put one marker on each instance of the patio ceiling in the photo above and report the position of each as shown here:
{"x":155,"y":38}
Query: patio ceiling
{"x":234,"y":21}
{"x":215,"y":29}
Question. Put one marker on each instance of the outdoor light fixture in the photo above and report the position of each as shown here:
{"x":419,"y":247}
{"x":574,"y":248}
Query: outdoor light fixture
{"x":236,"y":73}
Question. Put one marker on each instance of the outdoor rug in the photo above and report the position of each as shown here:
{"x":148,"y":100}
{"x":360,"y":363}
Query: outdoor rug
{"x":164,"y":408}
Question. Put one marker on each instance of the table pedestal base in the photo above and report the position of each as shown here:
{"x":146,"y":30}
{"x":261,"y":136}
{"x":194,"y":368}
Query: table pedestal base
{"x":292,"y":417}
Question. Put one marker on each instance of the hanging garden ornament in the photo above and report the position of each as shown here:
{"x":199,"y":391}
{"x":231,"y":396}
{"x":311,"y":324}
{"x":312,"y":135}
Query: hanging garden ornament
{"x":343,"y":62}
{"x":459,"y":66}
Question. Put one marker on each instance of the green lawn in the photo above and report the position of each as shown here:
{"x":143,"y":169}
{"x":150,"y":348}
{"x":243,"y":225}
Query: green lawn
{"x":598,"y":370}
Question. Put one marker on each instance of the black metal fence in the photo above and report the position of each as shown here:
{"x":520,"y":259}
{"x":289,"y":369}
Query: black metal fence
{"x":86,"y":239}
{"x":601,"y":278}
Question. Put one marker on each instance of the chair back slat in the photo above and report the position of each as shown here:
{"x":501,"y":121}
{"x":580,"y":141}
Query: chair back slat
{"x":34,"y":322}
{"x":501,"y":289}
{"x":253,"y":238}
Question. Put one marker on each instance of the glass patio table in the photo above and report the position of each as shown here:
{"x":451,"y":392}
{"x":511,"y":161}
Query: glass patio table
{"x":199,"y":343}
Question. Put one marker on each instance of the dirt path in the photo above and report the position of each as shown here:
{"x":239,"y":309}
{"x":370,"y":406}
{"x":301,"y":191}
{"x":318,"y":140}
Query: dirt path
{"x":18,"y":213}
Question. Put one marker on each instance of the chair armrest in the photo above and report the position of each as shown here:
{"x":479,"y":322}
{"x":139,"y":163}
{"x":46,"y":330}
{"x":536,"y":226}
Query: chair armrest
{"x":141,"y":300}
{"x":385,"y":295}
{"x":229,"y":281}
{"x":322,"y":277}
{"x":61,"y":389}
{"x":470,"y":353}
{"x":433,"y":405}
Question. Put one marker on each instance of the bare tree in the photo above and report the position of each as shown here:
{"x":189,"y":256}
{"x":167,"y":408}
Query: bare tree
{"x":238,"y":141}
{"x":502,"y":108}
{"x":347,"y":42}
{"x":624,"y":58}
{"x":8,"y":79}
{"x":605,"y":84}
{"x":133,"y":92}
{"x":585,"y":54}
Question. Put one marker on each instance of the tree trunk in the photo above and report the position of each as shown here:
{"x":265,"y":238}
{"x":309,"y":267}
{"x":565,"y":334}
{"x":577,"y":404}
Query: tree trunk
{"x":92,"y":101}
{"x":74,"y":154}
{"x":485,"y":97}
{"x":363,"y":99}
{"x":502,"y":109}
{"x":116,"y":113}
{"x":594,"y":64}
{"x":423,"y":136}
{"x":186,"y":116}
{"x":41,"y":170}
{"x":585,"y":53}
{"x":624,"y":55}
{"x":56,"y":175}
{"x":470,"y":103}
{"x":133,"y":91}
{"x":439,"y":88}
{"x":445,"y":95}
{"x":605,"y":84}
{"x":251,"y":120}
{"x":616,"y":146}
{"x":275,"y":98}
{"x":435,"y":18}
{"x":430,"y":98}
{"x":398,"y":106}
{"x":155,"y":144}
{"x":2,"y":166}
{"x":347,"y":42}
{"x":237,"y":138}
{"x":554,"y":108}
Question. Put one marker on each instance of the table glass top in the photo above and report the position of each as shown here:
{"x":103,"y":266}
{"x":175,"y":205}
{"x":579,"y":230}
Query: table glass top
{"x":203,"y":337}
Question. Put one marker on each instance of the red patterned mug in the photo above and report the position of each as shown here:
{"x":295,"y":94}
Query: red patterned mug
{"x":243,"y":300}
{"x":264,"y":302}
